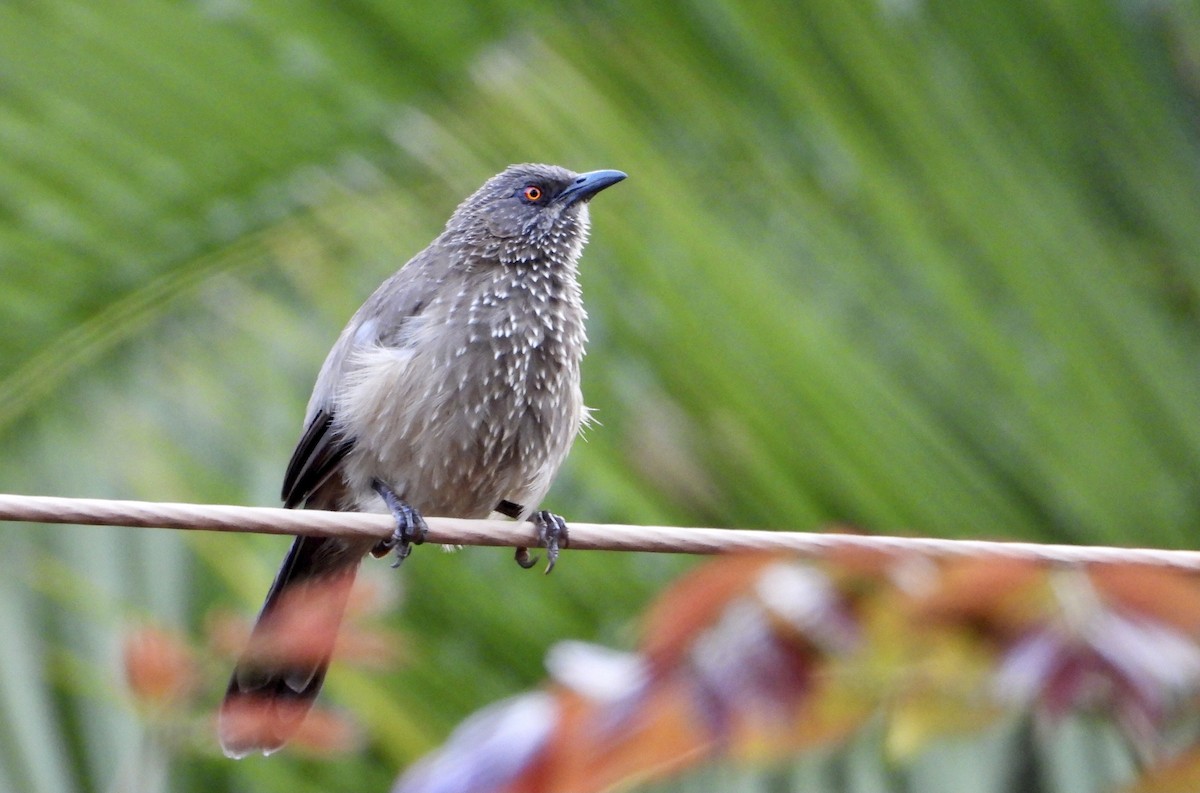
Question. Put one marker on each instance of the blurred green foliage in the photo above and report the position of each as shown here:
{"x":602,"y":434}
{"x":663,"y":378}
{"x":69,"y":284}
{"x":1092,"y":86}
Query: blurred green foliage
{"x":925,"y":266}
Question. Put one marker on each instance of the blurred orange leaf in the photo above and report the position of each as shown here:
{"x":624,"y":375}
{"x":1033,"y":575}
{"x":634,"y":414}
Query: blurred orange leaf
{"x":160,"y":667}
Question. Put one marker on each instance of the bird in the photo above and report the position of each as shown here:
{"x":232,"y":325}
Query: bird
{"x":454,"y":390}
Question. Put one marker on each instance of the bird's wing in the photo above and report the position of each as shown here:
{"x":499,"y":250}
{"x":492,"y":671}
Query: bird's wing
{"x":382,"y":320}
{"x":315,"y":458}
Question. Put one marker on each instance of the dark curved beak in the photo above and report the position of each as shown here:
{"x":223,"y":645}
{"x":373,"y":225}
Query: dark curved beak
{"x":588,"y":184}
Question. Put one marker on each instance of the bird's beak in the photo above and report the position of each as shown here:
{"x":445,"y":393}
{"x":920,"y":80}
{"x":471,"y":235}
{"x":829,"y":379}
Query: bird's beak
{"x":588,"y":184}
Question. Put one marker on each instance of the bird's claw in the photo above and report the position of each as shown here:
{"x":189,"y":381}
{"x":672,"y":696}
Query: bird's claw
{"x":410,"y":526}
{"x":552,"y":535}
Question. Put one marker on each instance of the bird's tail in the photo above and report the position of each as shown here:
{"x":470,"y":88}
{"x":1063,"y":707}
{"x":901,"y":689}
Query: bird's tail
{"x":283,"y":666}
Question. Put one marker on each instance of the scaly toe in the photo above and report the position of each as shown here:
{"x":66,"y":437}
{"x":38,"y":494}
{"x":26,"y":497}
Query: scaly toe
{"x":552,"y":535}
{"x":523,"y":558}
{"x":411,"y":528}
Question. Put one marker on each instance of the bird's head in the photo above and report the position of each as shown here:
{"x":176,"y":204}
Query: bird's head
{"x":530,"y":213}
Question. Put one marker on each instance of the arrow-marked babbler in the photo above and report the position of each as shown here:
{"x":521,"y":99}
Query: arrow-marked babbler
{"x":453,"y":391}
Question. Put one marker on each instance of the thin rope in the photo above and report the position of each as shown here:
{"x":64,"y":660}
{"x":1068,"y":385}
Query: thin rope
{"x":583,"y":536}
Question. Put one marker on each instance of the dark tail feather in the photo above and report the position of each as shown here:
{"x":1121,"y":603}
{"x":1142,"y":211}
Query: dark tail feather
{"x":283,"y":666}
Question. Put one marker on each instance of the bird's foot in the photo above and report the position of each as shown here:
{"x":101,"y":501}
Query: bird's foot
{"x":552,"y":535}
{"x":410,"y":526}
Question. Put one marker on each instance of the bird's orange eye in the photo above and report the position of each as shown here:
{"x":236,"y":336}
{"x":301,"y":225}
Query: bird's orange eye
{"x":532,"y":193}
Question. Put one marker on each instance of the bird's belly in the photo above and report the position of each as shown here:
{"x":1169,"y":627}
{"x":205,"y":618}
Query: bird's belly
{"x":453,"y":446}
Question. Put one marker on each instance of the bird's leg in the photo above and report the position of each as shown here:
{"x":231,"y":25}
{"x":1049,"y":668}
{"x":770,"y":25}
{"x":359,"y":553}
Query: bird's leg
{"x":410,"y":526}
{"x":552,"y":534}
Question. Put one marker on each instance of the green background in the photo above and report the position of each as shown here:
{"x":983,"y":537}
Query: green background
{"x":926,"y":267}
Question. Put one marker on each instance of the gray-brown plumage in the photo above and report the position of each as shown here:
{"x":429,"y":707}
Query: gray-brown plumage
{"x":454,"y":390}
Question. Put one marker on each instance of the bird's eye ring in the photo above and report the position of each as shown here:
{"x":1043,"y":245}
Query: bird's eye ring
{"x":532,"y":193}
